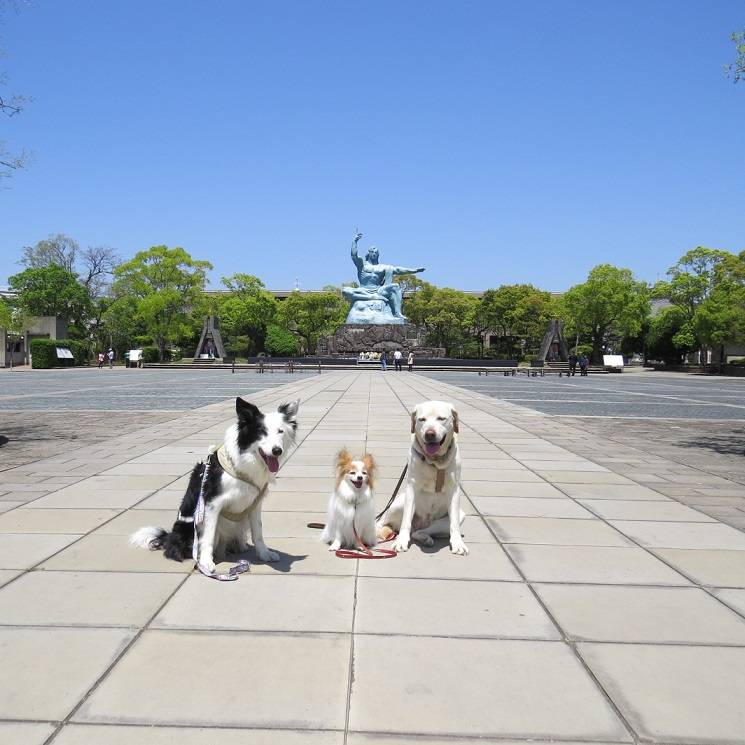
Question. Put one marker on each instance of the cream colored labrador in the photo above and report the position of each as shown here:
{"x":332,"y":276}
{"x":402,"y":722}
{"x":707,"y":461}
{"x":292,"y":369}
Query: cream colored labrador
{"x":428,"y":504}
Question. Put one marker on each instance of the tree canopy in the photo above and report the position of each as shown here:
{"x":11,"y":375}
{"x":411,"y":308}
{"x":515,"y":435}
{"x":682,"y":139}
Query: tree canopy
{"x":608,"y":306}
{"x":159,"y":286}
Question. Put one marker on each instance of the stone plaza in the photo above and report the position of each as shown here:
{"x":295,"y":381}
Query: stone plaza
{"x":603,"y":600}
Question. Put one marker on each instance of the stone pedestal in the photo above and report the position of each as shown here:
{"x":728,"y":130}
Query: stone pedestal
{"x":353,"y":338}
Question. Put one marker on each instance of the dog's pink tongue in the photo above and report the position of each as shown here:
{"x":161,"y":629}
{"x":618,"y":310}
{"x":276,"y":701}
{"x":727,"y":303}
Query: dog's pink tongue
{"x":272,"y":463}
{"x":432,"y":448}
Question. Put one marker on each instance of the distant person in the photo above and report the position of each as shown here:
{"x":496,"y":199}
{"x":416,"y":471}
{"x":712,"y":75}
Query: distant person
{"x":572,"y":359}
{"x":583,"y":363}
{"x":101,"y":359}
{"x":410,"y":361}
{"x":397,"y":359}
{"x":110,"y":355}
{"x":384,"y":361}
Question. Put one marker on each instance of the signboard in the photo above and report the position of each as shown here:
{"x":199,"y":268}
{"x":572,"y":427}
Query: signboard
{"x":63,"y":353}
{"x":613,"y":360}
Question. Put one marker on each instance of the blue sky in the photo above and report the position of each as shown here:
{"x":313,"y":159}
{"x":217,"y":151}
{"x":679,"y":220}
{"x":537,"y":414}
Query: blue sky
{"x":492,"y":142}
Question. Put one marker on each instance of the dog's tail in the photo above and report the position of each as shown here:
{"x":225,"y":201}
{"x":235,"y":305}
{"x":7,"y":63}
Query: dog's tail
{"x":150,"y":537}
{"x":175,"y":545}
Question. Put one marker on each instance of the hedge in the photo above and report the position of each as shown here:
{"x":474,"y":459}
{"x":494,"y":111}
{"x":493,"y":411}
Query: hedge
{"x":44,"y":353}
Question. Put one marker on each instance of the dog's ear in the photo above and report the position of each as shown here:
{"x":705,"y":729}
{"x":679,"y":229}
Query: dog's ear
{"x":455,"y":419}
{"x":289,"y":410}
{"x":343,"y":459}
{"x":246,"y":410}
{"x":369,"y":463}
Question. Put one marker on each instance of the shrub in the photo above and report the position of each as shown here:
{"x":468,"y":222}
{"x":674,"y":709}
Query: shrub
{"x":150,"y":354}
{"x":44,"y":353}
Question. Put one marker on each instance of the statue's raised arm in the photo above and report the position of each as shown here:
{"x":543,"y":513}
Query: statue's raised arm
{"x":355,"y":256}
{"x":399,"y":270}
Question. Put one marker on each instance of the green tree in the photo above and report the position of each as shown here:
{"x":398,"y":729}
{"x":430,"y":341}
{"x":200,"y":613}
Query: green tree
{"x":736,"y":70}
{"x":720,"y":318}
{"x":280,"y":342}
{"x":609,"y":306}
{"x":692,"y":280}
{"x":52,"y":291}
{"x":668,"y":337}
{"x":247,"y":311}
{"x":164,"y":283}
{"x":518,"y":314}
{"x":311,"y":314}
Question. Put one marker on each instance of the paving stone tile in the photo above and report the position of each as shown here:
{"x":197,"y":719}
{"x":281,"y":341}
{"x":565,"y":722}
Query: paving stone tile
{"x":642,"y":614}
{"x":530,"y":507}
{"x":262,"y":603}
{"x":84,"y":598}
{"x":5,"y":506}
{"x":601,"y":564}
{"x":6,"y":575}
{"x":425,"y":607}
{"x":674,"y":693}
{"x":584,"y":477}
{"x":452,"y":673}
{"x":140,"y":689}
{"x":22,"y":551}
{"x":490,"y":489}
{"x":24,"y":733}
{"x":165,"y":499}
{"x":574,"y":465}
{"x":706,"y":536}
{"x":131,"y":520}
{"x":667,"y":511}
{"x":32,"y":687}
{"x":556,"y":531}
{"x":24,"y":520}
{"x":87,"y":734}
{"x":106,"y":553}
{"x":91,"y":498}
{"x":734,"y":599}
{"x":485,"y":561}
{"x":712,"y":568}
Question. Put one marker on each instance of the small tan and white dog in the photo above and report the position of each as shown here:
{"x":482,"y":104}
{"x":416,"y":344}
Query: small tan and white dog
{"x":428,"y":504}
{"x":350,"y":518}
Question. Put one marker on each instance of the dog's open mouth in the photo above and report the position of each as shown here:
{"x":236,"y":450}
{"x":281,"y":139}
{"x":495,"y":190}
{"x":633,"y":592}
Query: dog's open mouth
{"x":432,"y":448}
{"x":272,"y":463}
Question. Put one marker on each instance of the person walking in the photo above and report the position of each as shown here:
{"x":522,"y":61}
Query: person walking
{"x":410,"y":361}
{"x":110,"y":355}
{"x":583,"y":363}
{"x":397,"y":360}
{"x":572,"y":359}
{"x":101,"y":358}
{"x":384,"y":360}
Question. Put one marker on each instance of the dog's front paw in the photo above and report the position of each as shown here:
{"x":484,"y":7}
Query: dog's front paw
{"x":401,"y":543}
{"x":458,"y":547}
{"x":335,"y":546}
{"x":266,"y":554}
{"x":208,"y":566}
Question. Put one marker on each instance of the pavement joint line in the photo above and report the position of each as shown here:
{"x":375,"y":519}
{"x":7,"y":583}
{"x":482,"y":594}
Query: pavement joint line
{"x":648,"y":550}
{"x":570,"y":643}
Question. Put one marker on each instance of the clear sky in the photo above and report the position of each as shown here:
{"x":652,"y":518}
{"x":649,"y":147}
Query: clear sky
{"x":490,"y":141}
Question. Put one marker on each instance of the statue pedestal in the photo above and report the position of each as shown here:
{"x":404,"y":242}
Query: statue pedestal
{"x":353,"y":338}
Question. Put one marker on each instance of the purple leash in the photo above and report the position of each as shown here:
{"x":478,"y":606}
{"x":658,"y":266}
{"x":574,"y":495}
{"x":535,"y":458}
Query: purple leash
{"x":241,"y":567}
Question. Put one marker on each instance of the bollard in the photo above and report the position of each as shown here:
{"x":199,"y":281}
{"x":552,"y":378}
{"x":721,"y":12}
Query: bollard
{"x":232,"y":367}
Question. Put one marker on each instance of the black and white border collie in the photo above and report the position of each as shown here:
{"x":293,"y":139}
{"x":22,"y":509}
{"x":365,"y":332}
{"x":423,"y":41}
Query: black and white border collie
{"x":255,"y":445}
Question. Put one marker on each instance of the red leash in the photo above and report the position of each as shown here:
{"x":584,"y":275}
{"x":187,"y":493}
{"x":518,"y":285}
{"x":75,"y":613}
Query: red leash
{"x":365,"y":552}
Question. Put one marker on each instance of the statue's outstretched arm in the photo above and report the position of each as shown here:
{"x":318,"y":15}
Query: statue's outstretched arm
{"x":398,"y":270}
{"x":355,"y":256}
